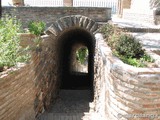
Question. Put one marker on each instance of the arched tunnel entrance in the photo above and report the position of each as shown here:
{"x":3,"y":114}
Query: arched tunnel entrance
{"x":71,"y":41}
{"x":76,"y":85}
{"x":73,"y":77}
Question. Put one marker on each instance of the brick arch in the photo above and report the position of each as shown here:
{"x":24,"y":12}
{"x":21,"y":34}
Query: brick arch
{"x":72,"y":21}
{"x":49,"y":84}
{"x":73,"y":24}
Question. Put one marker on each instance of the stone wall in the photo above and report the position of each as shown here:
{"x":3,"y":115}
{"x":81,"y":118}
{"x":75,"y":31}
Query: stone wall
{"x":99,"y":79}
{"x":17,"y":93}
{"x":45,"y":66}
{"x":131,"y":93}
{"x":51,"y":14}
{"x":28,"y":91}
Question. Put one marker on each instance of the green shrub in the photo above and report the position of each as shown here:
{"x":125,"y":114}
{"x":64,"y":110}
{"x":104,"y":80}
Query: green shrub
{"x":112,"y":40}
{"x":142,"y":62}
{"x":111,"y":33}
{"x":107,"y":29}
{"x":129,"y":47}
{"x":36,"y":27}
{"x":125,"y":46}
{"x":9,"y":42}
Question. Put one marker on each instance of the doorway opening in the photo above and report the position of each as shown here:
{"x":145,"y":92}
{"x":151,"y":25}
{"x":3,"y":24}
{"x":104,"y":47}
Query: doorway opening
{"x":77,"y":59}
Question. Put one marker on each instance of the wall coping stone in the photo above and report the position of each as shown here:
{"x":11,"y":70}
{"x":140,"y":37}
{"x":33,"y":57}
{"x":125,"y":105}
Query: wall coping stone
{"x":12,"y":69}
{"x":129,"y":90}
{"x":30,"y":7}
{"x":117,"y":63}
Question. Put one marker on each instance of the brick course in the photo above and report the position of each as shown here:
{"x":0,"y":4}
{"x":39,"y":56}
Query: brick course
{"x":51,"y":14}
{"x":129,"y":90}
{"x":17,"y":94}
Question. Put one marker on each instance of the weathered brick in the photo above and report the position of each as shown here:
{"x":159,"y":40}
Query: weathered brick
{"x":26,"y":14}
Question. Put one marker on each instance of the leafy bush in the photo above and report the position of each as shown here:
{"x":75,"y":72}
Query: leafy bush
{"x":129,"y":47}
{"x":108,"y":30}
{"x":10,"y":51}
{"x":111,"y":33}
{"x":141,"y":62}
{"x":125,"y":46}
{"x":36,"y":27}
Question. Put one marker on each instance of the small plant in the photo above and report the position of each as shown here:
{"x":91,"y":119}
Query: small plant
{"x":138,"y":62}
{"x":111,"y":33}
{"x":36,"y":46}
{"x":36,"y":27}
{"x":107,"y":30}
{"x":10,"y":50}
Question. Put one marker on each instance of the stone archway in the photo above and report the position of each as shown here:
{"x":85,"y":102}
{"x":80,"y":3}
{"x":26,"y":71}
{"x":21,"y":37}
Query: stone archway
{"x":61,"y":35}
{"x":69,"y":31}
{"x":68,"y":22}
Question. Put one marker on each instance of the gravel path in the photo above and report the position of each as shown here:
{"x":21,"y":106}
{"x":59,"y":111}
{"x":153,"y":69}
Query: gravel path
{"x":70,"y":105}
{"x":72,"y":101}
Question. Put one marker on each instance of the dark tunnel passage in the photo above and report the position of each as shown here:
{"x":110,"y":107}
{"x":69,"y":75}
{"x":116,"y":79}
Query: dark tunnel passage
{"x":75,"y":94}
{"x":75,"y":80}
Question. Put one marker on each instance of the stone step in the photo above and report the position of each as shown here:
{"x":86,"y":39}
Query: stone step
{"x":65,"y":116}
{"x":133,"y":26}
{"x":140,"y":30}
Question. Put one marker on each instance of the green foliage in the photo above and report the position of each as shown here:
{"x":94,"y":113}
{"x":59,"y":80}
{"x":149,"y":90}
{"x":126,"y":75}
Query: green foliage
{"x":10,"y":51}
{"x":81,"y":55}
{"x":129,"y":47}
{"x":108,"y":30}
{"x":125,"y":46}
{"x":142,"y":62}
{"x":111,"y":33}
{"x":36,"y":27}
{"x":147,"y":58}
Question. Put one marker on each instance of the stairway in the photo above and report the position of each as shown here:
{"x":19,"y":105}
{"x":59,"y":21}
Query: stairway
{"x":71,"y":105}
